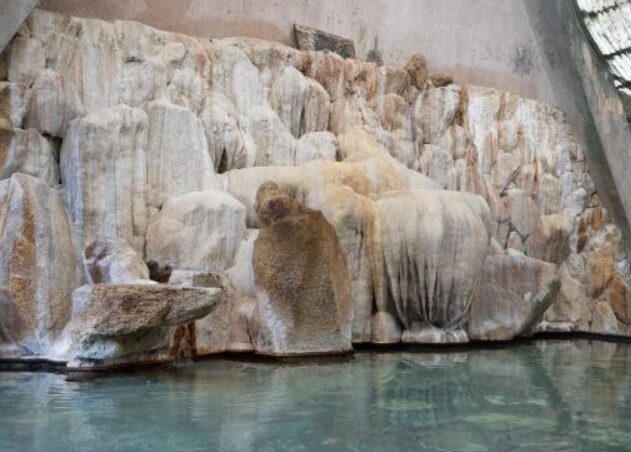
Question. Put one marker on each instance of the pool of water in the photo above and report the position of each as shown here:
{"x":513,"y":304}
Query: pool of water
{"x":544,"y":395}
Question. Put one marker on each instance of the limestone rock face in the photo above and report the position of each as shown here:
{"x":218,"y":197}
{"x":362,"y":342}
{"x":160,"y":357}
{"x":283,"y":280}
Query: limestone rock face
{"x":162,"y":141}
{"x":514,"y":293}
{"x":113,"y":262}
{"x":197,"y":231}
{"x":303,"y":289}
{"x":54,"y":103}
{"x":26,"y":151}
{"x":232,"y":326}
{"x":433,"y":255}
{"x":178,"y":159}
{"x":38,"y":267}
{"x":103,"y":171}
{"x":129,"y":323}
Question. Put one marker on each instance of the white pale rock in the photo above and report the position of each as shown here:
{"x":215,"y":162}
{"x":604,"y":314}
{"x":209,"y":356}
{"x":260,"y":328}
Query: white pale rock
{"x":436,"y":164}
{"x":197,"y":231}
{"x":38,"y":267}
{"x":226,"y":141}
{"x":273,"y":143}
{"x":433,"y":255}
{"x":178,"y":160}
{"x":288,"y":98}
{"x":436,"y":110}
{"x":315,"y":116}
{"x":54,"y":104}
{"x":103,"y":168}
{"x":522,"y":210}
{"x":26,"y":151}
{"x":92,"y":63}
{"x":25,"y":60}
{"x":231,"y":326}
{"x":316,"y":146}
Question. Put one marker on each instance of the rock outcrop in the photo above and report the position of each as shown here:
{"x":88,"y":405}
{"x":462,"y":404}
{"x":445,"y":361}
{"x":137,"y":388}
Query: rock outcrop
{"x":38,"y":267}
{"x":432,"y":255}
{"x":197,"y":231}
{"x":514,"y":293}
{"x":121,"y":324}
{"x":399,"y":195}
{"x":303,"y":303}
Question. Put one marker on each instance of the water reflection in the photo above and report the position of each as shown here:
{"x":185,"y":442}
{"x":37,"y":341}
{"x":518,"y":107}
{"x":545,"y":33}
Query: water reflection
{"x":553,"y":395}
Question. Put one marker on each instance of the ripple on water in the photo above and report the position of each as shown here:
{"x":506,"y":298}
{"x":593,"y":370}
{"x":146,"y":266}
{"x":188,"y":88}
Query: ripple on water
{"x":571,"y":395}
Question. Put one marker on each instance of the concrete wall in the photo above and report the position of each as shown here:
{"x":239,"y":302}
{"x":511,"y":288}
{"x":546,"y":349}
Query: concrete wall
{"x":12,"y":14}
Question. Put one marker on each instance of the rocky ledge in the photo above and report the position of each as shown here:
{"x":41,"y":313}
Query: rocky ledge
{"x":295,"y":202}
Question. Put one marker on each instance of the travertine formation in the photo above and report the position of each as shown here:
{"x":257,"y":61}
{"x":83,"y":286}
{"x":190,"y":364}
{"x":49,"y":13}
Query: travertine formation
{"x":432,"y":212}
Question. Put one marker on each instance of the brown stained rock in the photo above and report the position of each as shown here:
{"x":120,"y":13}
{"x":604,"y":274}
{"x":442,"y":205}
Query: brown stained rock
{"x":312,"y":39}
{"x":39,"y":267}
{"x":14,"y":98}
{"x":303,"y":287}
{"x":550,"y":240}
{"x":416,"y":66}
{"x":131,"y":324}
{"x":441,"y":79}
{"x":570,"y":310}
{"x":120,"y":309}
{"x":602,"y":269}
{"x":619,"y":297}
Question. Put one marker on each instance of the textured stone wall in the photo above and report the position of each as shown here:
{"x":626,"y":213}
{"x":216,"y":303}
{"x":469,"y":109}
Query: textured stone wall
{"x":462,"y":212}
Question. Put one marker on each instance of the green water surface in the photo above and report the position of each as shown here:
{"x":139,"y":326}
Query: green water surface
{"x":535,"y":396}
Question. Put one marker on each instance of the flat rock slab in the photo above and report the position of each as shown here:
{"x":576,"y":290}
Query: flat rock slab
{"x":133,"y":324}
{"x":312,"y":39}
{"x":120,"y":309}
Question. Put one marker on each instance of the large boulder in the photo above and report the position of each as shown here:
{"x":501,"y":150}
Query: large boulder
{"x":433,"y":254}
{"x":197,"y":231}
{"x":302,"y":284}
{"x":514,"y":293}
{"x":38,"y":267}
{"x":119,"y":324}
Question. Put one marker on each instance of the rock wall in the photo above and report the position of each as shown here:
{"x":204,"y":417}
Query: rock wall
{"x":434,"y":190}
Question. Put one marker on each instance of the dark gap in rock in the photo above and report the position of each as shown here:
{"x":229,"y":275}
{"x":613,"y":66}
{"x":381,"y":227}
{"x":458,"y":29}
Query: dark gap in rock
{"x":159,"y":273}
{"x":223,"y":162}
